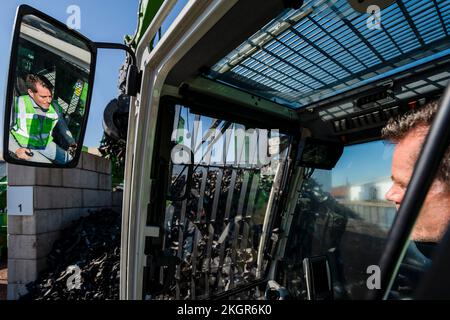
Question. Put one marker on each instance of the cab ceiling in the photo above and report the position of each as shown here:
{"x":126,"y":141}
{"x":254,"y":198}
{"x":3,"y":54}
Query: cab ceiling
{"x":238,"y":24}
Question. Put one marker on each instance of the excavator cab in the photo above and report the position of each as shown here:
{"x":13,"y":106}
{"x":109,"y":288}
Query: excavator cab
{"x":255,"y":167}
{"x":267,"y":176}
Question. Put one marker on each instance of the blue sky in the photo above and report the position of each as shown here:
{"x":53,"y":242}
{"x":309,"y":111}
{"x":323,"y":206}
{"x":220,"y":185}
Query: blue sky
{"x":363,"y":163}
{"x":103,"y":21}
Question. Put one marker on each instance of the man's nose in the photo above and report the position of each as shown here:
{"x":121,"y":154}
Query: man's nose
{"x":393,"y":195}
{"x":388,"y":194}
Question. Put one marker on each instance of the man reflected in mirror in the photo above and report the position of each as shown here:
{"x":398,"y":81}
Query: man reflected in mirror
{"x":36,"y":118}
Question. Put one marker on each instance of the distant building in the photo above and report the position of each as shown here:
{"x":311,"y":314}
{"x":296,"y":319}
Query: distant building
{"x":370,"y":191}
{"x":341,"y":192}
{"x":366,"y":191}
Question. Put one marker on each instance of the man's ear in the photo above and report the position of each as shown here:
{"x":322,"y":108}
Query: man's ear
{"x":30,"y":92}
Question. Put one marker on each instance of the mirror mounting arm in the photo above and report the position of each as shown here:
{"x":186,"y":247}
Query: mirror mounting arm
{"x":134,"y":76}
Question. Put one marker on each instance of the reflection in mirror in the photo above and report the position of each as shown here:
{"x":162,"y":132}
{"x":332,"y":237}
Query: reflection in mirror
{"x":51,"y":83}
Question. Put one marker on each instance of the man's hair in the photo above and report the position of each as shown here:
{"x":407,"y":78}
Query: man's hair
{"x":418,"y":119}
{"x":32,"y":79}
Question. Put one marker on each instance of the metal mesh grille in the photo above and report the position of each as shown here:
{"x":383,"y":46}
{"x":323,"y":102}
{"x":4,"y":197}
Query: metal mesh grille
{"x":331,"y":48}
{"x":215,"y":231}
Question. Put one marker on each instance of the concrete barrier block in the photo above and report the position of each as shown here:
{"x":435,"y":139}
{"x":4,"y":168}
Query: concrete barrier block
{"x":71,"y":178}
{"x":56,"y":198}
{"x":22,"y":246}
{"x":96,"y":198}
{"x":80,"y":178}
{"x":15,"y":291}
{"x":80,"y":161}
{"x":44,"y":243}
{"x":68,"y":216}
{"x":24,"y":271}
{"x":48,"y":177}
{"x":103,"y":165}
{"x":31,"y":246}
{"x":22,"y":225}
{"x":89,"y":180}
{"x":21,"y":175}
{"x":104,"y":181}
{"x":48,"y":220}
{"x":89,"y":162}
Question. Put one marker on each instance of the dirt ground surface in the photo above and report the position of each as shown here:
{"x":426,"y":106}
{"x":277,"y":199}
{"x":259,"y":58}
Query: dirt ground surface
{"x":3,"y":280}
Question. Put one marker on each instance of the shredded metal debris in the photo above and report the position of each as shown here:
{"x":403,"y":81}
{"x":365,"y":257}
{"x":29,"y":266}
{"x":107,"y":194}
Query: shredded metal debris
{"x":92,"y":244}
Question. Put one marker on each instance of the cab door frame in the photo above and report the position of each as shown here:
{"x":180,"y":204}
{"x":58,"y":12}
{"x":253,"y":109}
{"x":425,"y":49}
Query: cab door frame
{"x":193,"y":22}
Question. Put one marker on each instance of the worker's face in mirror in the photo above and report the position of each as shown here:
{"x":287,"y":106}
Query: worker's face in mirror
{"x":42,"y":96}
{"x":435,"y":214}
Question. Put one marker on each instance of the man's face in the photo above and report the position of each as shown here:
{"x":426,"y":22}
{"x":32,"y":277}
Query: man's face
{"x":42,"y":96}
{"x":435,"y":214}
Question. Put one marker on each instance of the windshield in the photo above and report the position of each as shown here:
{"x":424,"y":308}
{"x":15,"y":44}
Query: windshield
{"x":342,"y":214}
{"x":217,"y":216}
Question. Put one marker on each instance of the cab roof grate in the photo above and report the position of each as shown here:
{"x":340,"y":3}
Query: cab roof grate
{"x":330,"y":48}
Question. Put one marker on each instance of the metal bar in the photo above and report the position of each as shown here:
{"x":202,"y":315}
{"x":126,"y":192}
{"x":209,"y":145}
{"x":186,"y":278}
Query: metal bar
{"x":176,"y":121}
{"x":195,"y":237}
{"x":252,"y":195}
{"x":392,"y":39}
{"x":229,"y":167}
{"x":212,"y":220}
{"x":226,"y":224}
{"x":294,"y":67}
{"x":154,"y":26}
{"x":195,"y":133}
{"x":201,"y":194}
{"x":237,"y":223}
{"x":293,"y":196}
{"x":335,"y":99}
{"x":109,"y":45}
{"x":226,"y":146}
{"x":215,"y":123}
{"x":436,"y":6}
{"x":358,"y":34}
{"x":298,"y":54}
{"x":269,"y":77}
{"x":408,"y":18}
{"x":197,"y":233}
{"x":240,"y":211}
{"x":250,"y":210}
{"x":224,"y":128}
{"x":181,"y":229}
{"x":216,"y":195}
{"x":329,"y":57}
{"x":336,"y":40}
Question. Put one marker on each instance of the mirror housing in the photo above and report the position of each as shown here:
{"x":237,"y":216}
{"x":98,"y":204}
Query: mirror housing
{"x":50,"y":80}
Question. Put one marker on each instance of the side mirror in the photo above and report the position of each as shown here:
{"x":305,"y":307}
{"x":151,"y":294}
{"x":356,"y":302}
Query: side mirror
{"x":49,"y":90}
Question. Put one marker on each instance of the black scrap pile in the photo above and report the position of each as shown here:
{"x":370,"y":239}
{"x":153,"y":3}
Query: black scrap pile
{"x":92,"y":244}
